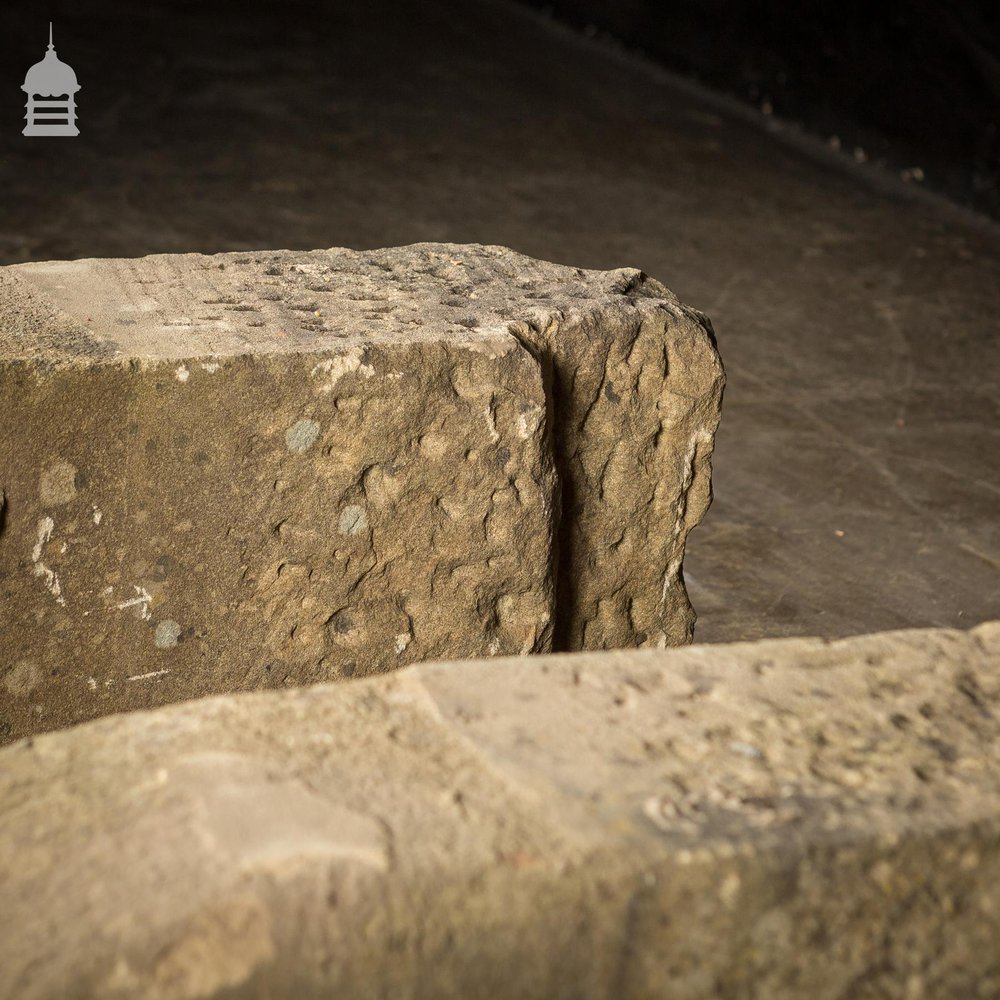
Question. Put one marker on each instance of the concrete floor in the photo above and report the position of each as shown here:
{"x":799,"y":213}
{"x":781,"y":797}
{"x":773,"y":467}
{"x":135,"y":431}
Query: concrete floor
{"x":858,"y":464}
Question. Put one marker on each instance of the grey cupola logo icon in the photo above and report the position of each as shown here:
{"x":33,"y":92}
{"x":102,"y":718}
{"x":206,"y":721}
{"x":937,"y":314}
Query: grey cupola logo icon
{"x":51,"y":86}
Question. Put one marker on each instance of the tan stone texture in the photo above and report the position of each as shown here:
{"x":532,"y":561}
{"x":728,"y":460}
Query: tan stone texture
{"x":637,"y":385}
{"x":776,"y":820}
{"x":247,"y":470}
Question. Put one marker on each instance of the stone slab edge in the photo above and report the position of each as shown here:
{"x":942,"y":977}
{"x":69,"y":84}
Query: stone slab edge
{"x":776,"y":819}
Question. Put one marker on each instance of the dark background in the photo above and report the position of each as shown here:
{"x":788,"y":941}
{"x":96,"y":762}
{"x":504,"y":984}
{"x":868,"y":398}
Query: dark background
{"x":914,"y":83}
{"x":857,"y":468}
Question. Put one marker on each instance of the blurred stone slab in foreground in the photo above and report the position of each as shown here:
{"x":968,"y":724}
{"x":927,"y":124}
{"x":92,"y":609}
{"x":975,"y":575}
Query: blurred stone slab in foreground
{"x":778,"y":819}
{"x":254,"y":469}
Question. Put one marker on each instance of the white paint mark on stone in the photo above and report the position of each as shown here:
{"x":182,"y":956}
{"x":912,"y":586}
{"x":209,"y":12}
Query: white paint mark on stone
{"x":491,"y":424}
{"x":673,"y":570}
{"x":166,"y":635}
{"x":182,"y":373}
{"x":210,"y":366}
{"x":402,"y":641}
{"x":331,"y":370}
{"x":51,"y":582}
{"x":700,"y":436}
{"x":353,"y":520}
{"x":494,"y":647}
{"x":98,"y":514}
{"x":301,"y":436}
{"x":528,"y":423}
{"x":146,"y":677}
{"x":142,"y":600}
{"x":92,"y":683}
{"x":45,"y":526}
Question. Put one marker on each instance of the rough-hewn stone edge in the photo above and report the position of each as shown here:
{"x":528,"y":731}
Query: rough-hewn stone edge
{"x":48,"y":686}
{"x":695,"y":374}
{"x":516,"y":828}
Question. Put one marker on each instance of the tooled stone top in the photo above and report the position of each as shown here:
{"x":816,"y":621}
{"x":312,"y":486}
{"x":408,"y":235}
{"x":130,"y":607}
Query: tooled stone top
{"x":170,"y":306}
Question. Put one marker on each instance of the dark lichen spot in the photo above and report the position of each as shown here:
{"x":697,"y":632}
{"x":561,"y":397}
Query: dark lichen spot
{"x":609,"y":392}
{"x":341,"y":623}
{"x":945,"y":751}
{"x":163,"y":567}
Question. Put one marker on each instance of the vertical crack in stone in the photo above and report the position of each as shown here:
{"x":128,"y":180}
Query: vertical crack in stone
{"x":634,"y":386}
{"x":460,"y":451}
{"x":531,"y":341}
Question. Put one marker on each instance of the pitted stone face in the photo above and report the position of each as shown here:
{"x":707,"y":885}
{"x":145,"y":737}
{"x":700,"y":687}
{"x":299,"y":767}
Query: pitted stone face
{"x":178,"y":306}
{"x":276,"y":468}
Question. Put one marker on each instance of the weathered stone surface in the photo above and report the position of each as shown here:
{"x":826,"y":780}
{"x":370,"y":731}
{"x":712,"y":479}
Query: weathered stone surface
{"x":637,"y":385}
{"x":252,"y":469}
{"x":780,"y":819}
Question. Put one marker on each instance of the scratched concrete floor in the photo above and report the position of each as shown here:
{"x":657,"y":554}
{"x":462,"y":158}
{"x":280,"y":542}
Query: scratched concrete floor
{"x":858,"y":465}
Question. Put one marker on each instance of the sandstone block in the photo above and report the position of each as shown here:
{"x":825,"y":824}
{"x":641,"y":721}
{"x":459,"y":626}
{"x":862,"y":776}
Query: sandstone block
{"x":776,"y":820}
{"x":258,"y":469}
